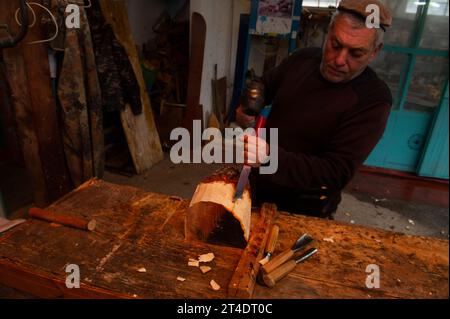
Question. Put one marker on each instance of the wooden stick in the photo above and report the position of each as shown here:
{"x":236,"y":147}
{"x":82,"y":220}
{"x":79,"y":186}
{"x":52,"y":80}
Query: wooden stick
{"x":242,"y":283}
{"x":71,"y":221}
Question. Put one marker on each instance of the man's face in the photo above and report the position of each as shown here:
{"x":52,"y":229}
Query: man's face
{"x":347,"y":51}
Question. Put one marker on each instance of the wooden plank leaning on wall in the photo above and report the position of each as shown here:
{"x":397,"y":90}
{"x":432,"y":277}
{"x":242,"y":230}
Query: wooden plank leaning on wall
{"x":141,"y":133}
{"x":35,"y":110}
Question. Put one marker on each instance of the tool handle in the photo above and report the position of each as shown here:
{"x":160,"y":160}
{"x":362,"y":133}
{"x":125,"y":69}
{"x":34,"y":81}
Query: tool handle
{"x":273,"y":277}
{"x":75,"y":222}
{"x":273,"y":238}
{"x":262,"y":119}
{"x":277,"y":261}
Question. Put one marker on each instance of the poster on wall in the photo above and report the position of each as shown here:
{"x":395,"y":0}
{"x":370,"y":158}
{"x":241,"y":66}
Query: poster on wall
{"x":274,"y":17}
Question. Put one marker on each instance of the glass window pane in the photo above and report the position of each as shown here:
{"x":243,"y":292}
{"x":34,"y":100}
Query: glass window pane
{"x":427,"y":83}
{"x":320,"y":3}
{"x":435,"y":35}
{"x":404,"y":21}
{"x":390,"y":66}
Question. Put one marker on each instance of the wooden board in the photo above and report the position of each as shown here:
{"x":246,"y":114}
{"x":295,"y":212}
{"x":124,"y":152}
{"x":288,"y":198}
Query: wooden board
{"x":243,"y":282}
{"x":35,"y":108}
{"x":139,"y":229}
{"x":198,"y":38}
{"x":140,"y":131}
{"x":25,"y":127}
{"x":221,"y":99}
{"x":9,"y":145}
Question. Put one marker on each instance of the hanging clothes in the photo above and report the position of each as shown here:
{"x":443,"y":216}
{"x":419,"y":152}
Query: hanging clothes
{"x":58,"y":9}
{"x":117,"y":78}
{"x":80,"y":100}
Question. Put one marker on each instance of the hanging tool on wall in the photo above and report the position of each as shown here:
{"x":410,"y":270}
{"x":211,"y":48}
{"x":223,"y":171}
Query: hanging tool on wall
{"x":13,"y":40}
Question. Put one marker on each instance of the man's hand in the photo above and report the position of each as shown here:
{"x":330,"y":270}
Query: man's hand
{"x":256,"y":150}
{"x":244,"y":120}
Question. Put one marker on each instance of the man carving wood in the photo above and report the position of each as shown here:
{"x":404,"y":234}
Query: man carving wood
{"x":330,"y":109}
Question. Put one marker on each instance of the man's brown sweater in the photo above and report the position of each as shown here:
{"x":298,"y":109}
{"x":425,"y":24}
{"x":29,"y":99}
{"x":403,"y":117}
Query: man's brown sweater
{"x":326,"y":131}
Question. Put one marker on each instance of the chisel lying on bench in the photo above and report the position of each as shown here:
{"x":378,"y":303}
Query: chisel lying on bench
{"x":283,"y":257}
{"x":272,"y":278}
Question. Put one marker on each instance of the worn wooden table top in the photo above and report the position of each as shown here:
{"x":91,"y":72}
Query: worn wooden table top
{"x":137,"y":229}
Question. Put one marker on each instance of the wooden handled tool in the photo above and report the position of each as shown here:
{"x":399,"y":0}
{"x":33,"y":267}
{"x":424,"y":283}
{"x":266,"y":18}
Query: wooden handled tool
{"x":280,"y":259}
{"x":279,"y":273}
{"x":71,"y":221}
{"x":271,"y":244}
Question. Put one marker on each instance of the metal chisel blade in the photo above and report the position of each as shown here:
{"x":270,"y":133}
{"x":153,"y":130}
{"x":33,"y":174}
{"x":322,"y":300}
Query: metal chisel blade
{"x":243,"y":179}
{"x":302,"y":242}
{"x":306,"y":255}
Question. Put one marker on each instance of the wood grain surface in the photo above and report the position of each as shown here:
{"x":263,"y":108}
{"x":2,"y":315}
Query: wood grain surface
{"x":136,"y":229}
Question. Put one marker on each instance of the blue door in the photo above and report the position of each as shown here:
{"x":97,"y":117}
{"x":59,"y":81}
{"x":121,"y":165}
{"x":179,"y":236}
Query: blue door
{"x":434,"y":162}
{"x":414,"y":64}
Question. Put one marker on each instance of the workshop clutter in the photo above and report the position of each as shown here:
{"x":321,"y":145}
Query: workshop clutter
{"x":76,"y":93}
{"x":166,"y":67}
{"x":166,"y":61}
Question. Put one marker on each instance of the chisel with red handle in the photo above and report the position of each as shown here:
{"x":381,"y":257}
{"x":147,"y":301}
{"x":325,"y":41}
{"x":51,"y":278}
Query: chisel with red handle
{"x":243,"y":178}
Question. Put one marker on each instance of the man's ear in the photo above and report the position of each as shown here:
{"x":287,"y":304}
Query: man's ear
{"x":376,"y":51}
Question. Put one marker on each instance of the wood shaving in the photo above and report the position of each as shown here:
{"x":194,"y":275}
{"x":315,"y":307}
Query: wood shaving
{"x":206,"y":258}
{"x":194,"y":263}
{"x":214,"y":285}
{"x":142,"y":270}
{"x":181,"y":279}
{"x":328,"y":240}
{"x":205,"y":269}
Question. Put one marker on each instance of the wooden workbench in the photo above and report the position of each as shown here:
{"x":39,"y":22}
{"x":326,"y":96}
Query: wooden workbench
{"x":137,"y":229}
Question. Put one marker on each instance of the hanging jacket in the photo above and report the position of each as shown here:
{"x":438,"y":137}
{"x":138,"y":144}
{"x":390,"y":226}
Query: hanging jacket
{"x":79,"y":97}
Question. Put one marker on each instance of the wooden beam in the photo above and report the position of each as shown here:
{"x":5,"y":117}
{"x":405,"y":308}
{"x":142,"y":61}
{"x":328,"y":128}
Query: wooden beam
{"x":198,"y":37}
{"x":140,"y":131}
{"x":11,"y":152}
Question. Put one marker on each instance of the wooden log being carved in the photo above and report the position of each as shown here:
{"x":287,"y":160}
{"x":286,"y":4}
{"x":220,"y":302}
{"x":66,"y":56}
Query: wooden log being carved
{"x":212,"y":215}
